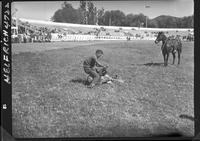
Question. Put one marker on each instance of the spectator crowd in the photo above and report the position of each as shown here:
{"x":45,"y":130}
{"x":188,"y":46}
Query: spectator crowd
{"x":24,"y":32}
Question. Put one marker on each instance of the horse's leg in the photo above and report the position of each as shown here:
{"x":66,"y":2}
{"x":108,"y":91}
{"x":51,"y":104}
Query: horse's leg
{"x":174,"y":56}
{"x":166,"y":59}
{"x":179,"y":56}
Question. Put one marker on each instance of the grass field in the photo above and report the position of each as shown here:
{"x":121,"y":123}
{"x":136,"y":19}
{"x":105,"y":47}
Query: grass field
{"x":50,"y":99}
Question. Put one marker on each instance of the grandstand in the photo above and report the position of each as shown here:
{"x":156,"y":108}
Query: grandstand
{"x":26,"y":30}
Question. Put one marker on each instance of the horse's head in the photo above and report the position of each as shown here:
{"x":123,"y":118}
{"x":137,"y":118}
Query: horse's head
{"x":160,"y":37}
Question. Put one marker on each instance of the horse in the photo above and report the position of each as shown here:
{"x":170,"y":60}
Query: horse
{"x":169,"y":45}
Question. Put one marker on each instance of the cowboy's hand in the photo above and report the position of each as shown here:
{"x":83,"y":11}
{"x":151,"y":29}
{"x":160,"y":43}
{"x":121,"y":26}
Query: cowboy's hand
{"x":106,"y":66}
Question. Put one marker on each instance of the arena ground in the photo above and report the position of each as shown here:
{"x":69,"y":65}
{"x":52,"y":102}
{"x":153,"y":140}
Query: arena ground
{"x":50,"y":99}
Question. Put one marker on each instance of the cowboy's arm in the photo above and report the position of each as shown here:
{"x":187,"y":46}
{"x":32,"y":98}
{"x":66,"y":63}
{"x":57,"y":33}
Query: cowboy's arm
{"x":99,"y":64}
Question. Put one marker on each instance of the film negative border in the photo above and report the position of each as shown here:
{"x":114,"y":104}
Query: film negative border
{"x":6,"y":85}
{"x":6,"y":77}
{"x":197,"y":68}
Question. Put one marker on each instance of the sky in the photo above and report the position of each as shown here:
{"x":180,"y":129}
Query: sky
{"x":44,"y":10}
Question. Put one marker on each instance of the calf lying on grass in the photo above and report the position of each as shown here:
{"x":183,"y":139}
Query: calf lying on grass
{"x":104,"y":77}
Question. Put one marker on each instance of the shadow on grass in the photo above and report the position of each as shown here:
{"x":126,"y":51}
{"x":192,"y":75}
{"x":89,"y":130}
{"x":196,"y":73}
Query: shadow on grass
{"x":175,"y":134}
{"x":186,"y":117}
{"x":79,"y":80}
{"x":151,"y":64}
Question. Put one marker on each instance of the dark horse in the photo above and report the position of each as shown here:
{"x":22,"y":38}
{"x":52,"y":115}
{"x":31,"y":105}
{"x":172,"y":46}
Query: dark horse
{"x":169,"y":45}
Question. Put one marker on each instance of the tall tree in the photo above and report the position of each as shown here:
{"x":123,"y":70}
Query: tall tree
{"x":136,"y":20}
{"x":91,"y":13}
{"x":118,"y":18}
{"x":67,"y":14}
{"x":83,"y":11}
{"x":114,"y":18}
{"x":100,"y":14}
{"x":83,"y":5}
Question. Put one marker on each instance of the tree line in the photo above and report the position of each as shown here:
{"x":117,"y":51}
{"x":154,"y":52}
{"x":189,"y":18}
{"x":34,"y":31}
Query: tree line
{"x":87,"y":13}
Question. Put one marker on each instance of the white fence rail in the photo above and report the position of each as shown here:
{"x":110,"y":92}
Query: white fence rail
{"x":71,"y":37}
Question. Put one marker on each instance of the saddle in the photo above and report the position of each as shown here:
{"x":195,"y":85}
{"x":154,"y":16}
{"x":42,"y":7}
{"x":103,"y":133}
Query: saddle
{"x":170,"y":40}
